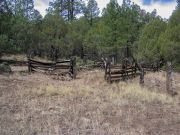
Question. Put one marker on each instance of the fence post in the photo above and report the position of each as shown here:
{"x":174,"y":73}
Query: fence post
{"x":141,"y":75}
{"x":106,"y":65}
{"x":113,"y":61}
{"x":29,"y":65}
{"x":109,"y":77}
{"x":72,"y":67}
{"x":123,"y":74}
{"x":169,"y":78}
{"x":135,"y":70}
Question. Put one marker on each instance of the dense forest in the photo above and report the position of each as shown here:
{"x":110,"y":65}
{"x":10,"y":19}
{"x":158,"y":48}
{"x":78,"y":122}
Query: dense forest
{"x":76,"y":28}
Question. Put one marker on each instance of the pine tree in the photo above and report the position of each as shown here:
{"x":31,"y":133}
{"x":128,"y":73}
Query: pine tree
{"x":175,"y":18}
{"x":23,"y":8}
{"x":28,"y":9}
{"x":91,"y":11}
{"x":148,"y":48}
{"x":4,"y":6}
{"x":178,"y":3}
{"x":68,"y":9}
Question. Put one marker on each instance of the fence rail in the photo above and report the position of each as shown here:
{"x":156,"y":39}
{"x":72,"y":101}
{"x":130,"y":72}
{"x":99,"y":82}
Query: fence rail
{"x":150,"y":68}
{"x":117,"y":73}
{"x":59,"y":67}
{"x":123,"y":72}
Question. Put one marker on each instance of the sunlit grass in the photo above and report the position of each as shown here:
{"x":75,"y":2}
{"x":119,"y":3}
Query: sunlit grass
{"x":131,"y":91}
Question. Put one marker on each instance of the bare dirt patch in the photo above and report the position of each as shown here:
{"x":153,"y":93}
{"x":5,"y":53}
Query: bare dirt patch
{"x":37,"y":104}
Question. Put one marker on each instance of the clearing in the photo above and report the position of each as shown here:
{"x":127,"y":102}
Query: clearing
{"x":38,"y":104}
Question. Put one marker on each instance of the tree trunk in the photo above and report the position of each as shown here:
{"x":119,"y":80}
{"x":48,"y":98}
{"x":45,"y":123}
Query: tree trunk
{"x":72,"y":10}
{"x":69,"y":9}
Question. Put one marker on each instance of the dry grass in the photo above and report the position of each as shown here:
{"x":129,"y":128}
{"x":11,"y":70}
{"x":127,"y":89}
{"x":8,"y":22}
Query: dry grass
{"x":93,"y":85}
{"x":37,"y":104}
{"x":137,"y":93}
{"x":23,"y":57}
{"x":157,"y":76}
{"x":51,"y":90}
{"x":19,"y":57}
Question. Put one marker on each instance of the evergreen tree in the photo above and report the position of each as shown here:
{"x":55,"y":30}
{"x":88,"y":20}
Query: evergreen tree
{"x":4,"y":7}
{"x":148,"y":49}
{"x":29,"y":9}
{"x":178,"y":3}
{"x":169,"y":40}
{"x":68,"y":9}
{"x":91,"y":11}
{"x":174,"y":20}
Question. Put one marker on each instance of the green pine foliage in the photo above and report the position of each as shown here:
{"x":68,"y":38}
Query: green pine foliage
{"x":161,"y":40}
{"x":75,"y":28}
{"x":148,"y":50}
{"x":169,"y":41}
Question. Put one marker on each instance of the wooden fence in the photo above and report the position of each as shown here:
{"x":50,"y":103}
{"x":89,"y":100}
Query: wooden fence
{"x":154,"y":66}
{"x":117,"y":73}
{"x":124,"y":72}
{"x":151,"y":67}
{"x":58,"y":68}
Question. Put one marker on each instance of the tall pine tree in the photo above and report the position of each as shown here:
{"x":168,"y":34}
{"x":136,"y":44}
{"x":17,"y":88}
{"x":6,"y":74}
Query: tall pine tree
{"x":68,"y":9}
{"x":91,"y":11}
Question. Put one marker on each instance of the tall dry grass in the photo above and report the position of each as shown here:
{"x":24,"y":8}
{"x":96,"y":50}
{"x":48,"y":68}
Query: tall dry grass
{"x":92,"y":84}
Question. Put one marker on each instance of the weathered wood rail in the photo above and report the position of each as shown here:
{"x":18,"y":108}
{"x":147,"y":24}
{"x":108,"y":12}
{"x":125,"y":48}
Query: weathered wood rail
{"x":151,"y":67}
{"x":117,"y":73}
{"x":124,"y":72}
{"x":58,"y":68}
